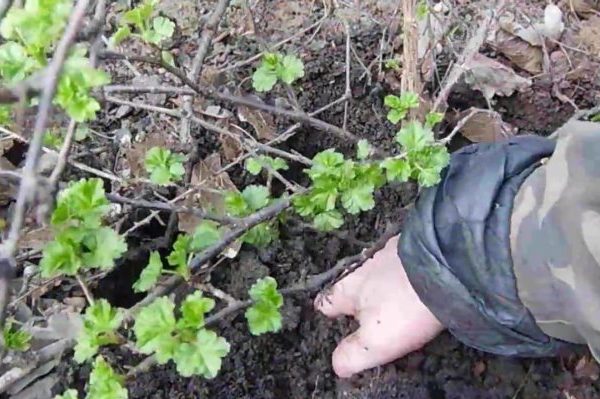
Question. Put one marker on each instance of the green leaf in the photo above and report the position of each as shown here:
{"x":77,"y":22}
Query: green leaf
{"x":364,"y":149}
{"x":163,"y":166}
{"x":261,"y":234}
{"x":433,"y":118}
{"x":206,"y":234}
{"x":105,"y":383}
{"x":399,"y":106}
{"x":203,"y":356}
{"x":396,"y":115}
{"x":428,"y":164}
{"x":81,"y":132}
{"x":5,"y":115}
{"x":358,"y":198}
{"x":154,"y":327}
{"x":84,"y":201}
{"x":68,"y":394}
{"x":150,"y":275}
{"x":167,"y":57}
{"x":328,"y":221}
{"x":178,"y":258}
{"x":595,"y":118}
{"x":392,"y":101}
{"x":100,"y":323}
{"x":397,"y":169}
{"x":164,"y":28}
{"x":291,"y":69}
{"x":253,"y":166}
{"x":236,"y":204}
{"x":193,"y":309}
{"x":257,"y":197}
{"x":15,"y":64}
{"x":16,"y":340}
{"x":60,"y":256}
{"x":409,"y":100}
{"x":120,"y":35}
{"x":264,"y":79}
{"x":264,"y":316}
{"x":414,"y":137}
{"x":422,"y":10}
{"x":105,"y":245}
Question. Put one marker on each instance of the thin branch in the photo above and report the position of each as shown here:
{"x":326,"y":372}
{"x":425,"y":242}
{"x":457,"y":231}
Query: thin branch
{"x":63,"y":154}
{"x":163,"y":206}
{"x":203,"y":45}
{"x":411,"y":80}
{"x":28,"y":183}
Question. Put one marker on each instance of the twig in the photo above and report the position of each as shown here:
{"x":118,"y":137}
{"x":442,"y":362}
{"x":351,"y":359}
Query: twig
{"x":460,"y":125}
{"x":203,"y":45}
{"x":85,"y":289}
{"x":470,"y":50}
{"x":28,"y":183}
{"x":63,"y":154}
{"x":275,"y":46}
{"x":347,"y":92}
{"x":163,"y":206}
{"x":148,"y":89}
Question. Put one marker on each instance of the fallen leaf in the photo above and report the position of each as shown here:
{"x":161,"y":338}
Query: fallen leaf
{"x":262,"y":122}
{"x":479,"y":368}
{"x":519,"y":52}
{"x":589,"y":35}
{"x":210,"y":190}
{"x":585,"y":8}
{"x":484,"y":126}
{"x":493,"y":78}
{"x":36,"y":239}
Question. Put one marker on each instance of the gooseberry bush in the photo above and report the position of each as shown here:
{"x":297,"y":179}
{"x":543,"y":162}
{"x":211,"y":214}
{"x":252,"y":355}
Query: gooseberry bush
{"x":340,"y":186}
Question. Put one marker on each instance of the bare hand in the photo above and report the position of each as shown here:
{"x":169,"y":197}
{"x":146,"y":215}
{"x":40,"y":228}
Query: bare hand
{"x":393,"y":320}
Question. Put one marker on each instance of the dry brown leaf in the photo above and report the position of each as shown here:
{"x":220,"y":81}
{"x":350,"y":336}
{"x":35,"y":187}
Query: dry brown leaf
{"x":493,"y":78}
{"x":262,"y":122}
{"x":587,"y":368}
{"x":479,"y":368}
{"x":135,"y":156}
{"x":210,"y":190}
{"x":585,"y":8}
{"x":589,"y":35}
{"x":518,"y":51}
{"x":484,"y":126}
{"x":36,"y":239}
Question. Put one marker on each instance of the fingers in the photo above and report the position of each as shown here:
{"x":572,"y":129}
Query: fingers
{"x":341,"y":299}
{"x":352,"y":356}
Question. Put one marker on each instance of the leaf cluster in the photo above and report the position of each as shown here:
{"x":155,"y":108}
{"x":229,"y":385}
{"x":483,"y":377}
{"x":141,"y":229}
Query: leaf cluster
{"x":194,"y":349}
{"x":255,"y":165}
{"x":252,"y":199}
{"x":139,"y":22}
{"x":264,"y":315}
{"x":100,"y":324}
{"x":274,"y":67}
{"x":81,"y":241}
{"x":339,"y":183}
{"x":15,"y":339}
{"x":30,"y":33}
{"x":164,"y":166}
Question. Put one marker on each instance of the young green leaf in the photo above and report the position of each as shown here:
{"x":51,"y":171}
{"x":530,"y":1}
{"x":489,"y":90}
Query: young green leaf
{"x":193,"y":309}
{"x":163,"y":27}
{"x":264,"y":78}
{"x":104,"y":246}
{"x":100,"y":323}
{"x":328,"y":221}
{"x":150,"y":275}
{"x":397,"y":170}
{"x":414,"y":136}
{"x":15,"y":63}
{"x":261,"y":234}
{"x":254,"y":165}
{"x":154,"y":327}
{"x":202,"y":356}
{"x":291,"y":69}
{"x":206,"y":234}
{"x":264,"y":316}
{"x":399,"y":106}
{"x":84,"y":201}
{"x":364,"y":149}
{"x":422,"y":10}
{"x":358,"y":198}
{"x":257,"y":197}
{"x":120,"y":35}
{"x":433,"y":118}
{"x":105,"y":383}
{"x":5,"y":115}
{"x":60,"y":256}
{"x":14,"y":339}
{"x":178,"y":258}
{"x":163,"y":166}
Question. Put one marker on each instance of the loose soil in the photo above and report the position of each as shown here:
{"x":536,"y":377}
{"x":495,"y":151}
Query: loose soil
{"x":295,"y":363}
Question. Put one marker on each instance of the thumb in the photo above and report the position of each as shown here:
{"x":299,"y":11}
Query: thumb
{"x":352,"y":356}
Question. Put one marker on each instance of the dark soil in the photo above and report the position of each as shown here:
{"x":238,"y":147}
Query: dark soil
{"x":295,"y":363}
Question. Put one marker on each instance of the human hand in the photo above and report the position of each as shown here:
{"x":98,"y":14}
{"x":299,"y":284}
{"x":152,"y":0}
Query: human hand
{"x":393,"y":320}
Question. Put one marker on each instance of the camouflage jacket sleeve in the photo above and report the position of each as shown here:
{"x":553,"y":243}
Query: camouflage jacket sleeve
{"x":555,"y":238}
